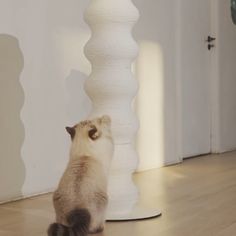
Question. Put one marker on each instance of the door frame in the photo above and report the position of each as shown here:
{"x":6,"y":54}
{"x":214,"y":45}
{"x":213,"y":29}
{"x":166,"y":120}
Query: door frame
{"x":215,"y":81}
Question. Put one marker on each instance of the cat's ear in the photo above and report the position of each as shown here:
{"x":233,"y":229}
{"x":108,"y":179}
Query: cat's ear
{"x":71,"y":131}
{"x":93,"y":133}
{"x":106,"y":119}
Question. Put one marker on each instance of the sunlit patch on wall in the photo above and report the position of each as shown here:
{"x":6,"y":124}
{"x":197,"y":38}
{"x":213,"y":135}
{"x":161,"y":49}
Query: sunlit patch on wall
{"x":149,"y":105}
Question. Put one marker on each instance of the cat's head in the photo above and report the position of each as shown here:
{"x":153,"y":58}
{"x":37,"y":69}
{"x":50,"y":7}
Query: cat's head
{"x":91,"y":130}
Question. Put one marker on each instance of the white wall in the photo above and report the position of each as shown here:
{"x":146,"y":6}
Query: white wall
{"x":42,"y":88}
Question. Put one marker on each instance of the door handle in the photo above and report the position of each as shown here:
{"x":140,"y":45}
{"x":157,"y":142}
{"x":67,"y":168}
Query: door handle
{"x":210,"y":42}
{"x":210,"y":39}
{"x":210,"y":46}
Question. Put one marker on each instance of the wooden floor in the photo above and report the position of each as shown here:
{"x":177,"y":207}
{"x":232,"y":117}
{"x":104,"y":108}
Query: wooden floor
{"x":197,"y":197}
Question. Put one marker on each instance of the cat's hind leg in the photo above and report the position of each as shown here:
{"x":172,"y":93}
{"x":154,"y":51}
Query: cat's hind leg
{"x":97,"y":222}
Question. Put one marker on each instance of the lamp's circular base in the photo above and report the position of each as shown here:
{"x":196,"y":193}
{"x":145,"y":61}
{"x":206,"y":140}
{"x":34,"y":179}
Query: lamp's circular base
{"x":138,"y":213}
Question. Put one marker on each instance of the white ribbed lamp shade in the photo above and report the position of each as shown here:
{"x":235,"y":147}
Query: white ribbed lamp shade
{"x":112,"y":88}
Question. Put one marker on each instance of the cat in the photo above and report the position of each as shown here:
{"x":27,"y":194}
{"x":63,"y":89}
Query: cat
{"x":81,"y":199}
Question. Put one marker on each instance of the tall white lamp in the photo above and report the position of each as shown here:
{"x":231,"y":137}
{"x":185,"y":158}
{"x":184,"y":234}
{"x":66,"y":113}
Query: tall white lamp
{"x":112,"y":88}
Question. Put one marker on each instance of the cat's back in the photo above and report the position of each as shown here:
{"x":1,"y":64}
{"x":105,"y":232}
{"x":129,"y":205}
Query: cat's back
{"x":83,"y":175}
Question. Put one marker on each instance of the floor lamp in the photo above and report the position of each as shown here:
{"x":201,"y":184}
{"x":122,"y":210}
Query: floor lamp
{"x":112,"y":88}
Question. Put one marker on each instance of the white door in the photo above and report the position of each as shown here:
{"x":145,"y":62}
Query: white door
{"x":225,"y":89}
{"x":195,"y":77}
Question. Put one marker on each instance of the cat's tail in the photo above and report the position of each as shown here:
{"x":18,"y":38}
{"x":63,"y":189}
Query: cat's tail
{"x":78,"y":224}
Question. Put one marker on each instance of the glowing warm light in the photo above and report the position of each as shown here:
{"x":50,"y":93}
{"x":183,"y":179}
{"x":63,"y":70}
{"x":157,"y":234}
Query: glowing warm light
{"x":149,"y":105}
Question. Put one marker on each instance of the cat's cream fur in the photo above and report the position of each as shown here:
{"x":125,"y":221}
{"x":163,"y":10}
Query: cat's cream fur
{"x":84,"y":182}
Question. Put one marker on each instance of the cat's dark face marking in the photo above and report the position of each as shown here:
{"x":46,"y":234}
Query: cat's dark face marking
{"x":93,"y":133}
{"x":71,"y":131}
{"x":93,"y":129}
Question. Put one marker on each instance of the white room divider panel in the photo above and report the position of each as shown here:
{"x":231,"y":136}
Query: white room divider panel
{"x":112,"y":87}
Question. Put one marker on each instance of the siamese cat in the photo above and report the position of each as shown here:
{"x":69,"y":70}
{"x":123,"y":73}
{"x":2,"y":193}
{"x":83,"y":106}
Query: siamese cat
{"x":80,"y":200}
